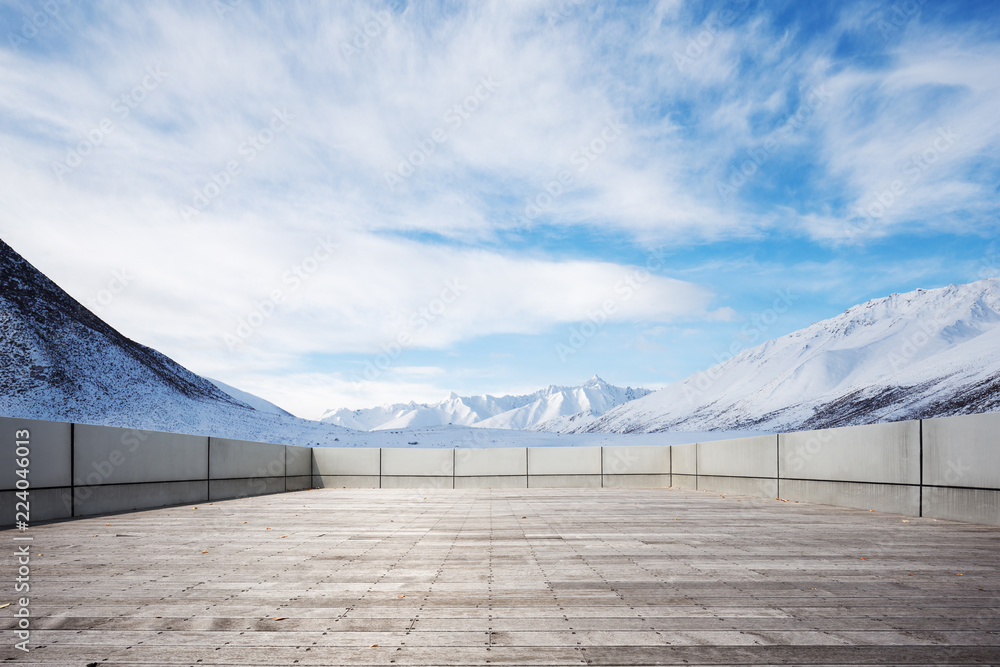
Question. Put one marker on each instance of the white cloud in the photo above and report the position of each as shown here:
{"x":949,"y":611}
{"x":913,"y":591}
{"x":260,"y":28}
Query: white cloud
{"x":369,"y":291}
{"x":535,"y":93}
{"x":309,"y":395}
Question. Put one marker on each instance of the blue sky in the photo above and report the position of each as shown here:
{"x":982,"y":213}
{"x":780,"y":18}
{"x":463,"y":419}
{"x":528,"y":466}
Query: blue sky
{"x":344,"y":204}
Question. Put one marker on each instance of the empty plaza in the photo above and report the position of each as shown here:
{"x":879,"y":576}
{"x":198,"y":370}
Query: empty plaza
{"x":515,"y":576}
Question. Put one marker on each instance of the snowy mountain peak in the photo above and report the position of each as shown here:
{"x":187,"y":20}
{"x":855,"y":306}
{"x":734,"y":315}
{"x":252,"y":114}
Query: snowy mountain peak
{"x":918,"y":354}
{"x":591,"y":399}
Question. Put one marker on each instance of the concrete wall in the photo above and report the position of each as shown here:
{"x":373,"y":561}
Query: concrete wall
{"x":418,"y":468}
{"x":945,"y":468}
{"x":562,"y":467}
{"x":353,"y":468}
{"x":868,"y":467}
{"x":117,"y":469}
{"x":50,"y":469}
{"x":747,"y":466}
{"x":298,"y":468}
{"x":239,"y":468}
{"x":881,"y":453}
{"x":635,"y":467}
{"x":741,"y":457}
{"x":500,"y":468}
{"x":961,"y":468}
{"x":82,"y":470}
{"x":684,"y":466}
{"x":962,"y":451}
{"x":418,"y":462}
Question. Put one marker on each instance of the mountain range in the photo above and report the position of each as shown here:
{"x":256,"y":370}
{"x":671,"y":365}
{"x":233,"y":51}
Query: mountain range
{"x":552,"y":405}
{"x":926,"y":353}
{"x":61,"y":362}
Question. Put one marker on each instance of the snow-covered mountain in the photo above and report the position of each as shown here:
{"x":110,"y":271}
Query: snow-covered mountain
{"x":552,"y":405}
{"x":254,"y":401}
{"x":921,"y":354}
{"x":61,"y":362}
{"x":927,"y":353}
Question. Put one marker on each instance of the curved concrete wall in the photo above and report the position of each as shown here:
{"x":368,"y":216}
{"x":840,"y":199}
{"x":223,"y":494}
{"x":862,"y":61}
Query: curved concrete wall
{"x":945,"y":468}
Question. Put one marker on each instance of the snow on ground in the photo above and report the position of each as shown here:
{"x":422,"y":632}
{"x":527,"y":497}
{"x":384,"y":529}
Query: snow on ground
{"x":926,"y":353}
{"x":255,"y":402}
{"x":481,"y":438}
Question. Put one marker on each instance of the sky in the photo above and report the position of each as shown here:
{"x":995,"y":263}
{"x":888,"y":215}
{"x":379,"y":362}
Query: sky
{"x":345,"y":204}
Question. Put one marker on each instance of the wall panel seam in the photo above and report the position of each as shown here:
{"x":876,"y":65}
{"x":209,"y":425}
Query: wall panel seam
{"x":920,"y":508}
{"x":850,"y":481}
{"x":964,"y":488}
{"x":72,"y":470}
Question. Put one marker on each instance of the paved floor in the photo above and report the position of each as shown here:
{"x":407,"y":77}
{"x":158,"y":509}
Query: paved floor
{"x":539,"y":577}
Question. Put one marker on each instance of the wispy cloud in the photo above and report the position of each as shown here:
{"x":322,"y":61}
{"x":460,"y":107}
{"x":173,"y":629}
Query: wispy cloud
{"x":536,"y":151}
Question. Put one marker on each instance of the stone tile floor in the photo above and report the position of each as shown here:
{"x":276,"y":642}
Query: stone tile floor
{"x":507,"y":577}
